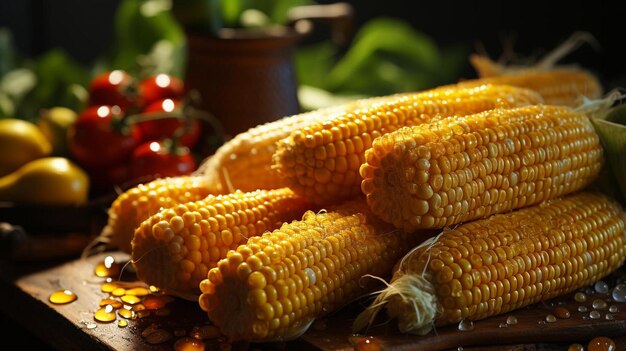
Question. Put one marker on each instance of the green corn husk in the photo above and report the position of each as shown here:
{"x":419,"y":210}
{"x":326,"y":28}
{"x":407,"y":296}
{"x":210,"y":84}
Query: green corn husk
{"x":612,"y":131}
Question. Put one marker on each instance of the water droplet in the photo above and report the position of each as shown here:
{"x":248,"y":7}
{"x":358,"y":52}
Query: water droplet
{"x":580,"y":297}
{"x":609,"y":317}
{"x":561,"y":312}
{"x":576,"y":347}
{"x":601,"y":343}
{"x":124,"y":313}
{"x":119,"y":292}
{"x":582,"y":308}
{"x":594,"y":315}
{"x":550,"y":318}
{"x":154,"y":289}
{"x":139,"y":292}
{"x":601,"y":287}
{"x":312,"y":276}
{"x":586,"y":318}
{"x":189,"y":344}
{"x":613,"y":308}
{"x":131,"y":299}
{"x":62,"y":297}
{"x":541,"y":322}
{"x":122,"y":323}
{"x":599,"y":304}
{"x":105,"y":314}
{"x":466,"y":325}
{"x":511,"y":320}
{"x":503,"y":325}
{"x":108,"y":268}
{"x":619,"y":293}
{"x":108,"y":287}
{"x":156,"y":302}
{"x":91,"y":325}
{"x":116,"y":304}
{"x":205,"y":332}
{"x":460,"y":348}
{"x":158,"y":336}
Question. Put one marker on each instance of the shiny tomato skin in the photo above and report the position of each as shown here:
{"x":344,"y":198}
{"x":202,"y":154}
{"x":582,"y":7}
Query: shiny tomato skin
{"x":94,"y":141}
{"x":112,"y":88}
{"x":155,"y":130}
{"x":159,"y":87}
{"x":154,"y":159}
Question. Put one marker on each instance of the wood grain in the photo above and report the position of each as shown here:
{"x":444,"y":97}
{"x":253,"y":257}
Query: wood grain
{"x":24,"y":296}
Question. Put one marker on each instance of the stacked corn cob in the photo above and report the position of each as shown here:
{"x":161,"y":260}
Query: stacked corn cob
{"x":424,"y":161}
{"x":504,"y":262}
{"x":557,"y":86}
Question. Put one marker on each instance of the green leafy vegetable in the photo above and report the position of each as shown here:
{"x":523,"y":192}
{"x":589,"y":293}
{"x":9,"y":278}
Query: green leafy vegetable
{"x":387,"y":56}
{"x":139,"y":27}
{"x":612,"y":132}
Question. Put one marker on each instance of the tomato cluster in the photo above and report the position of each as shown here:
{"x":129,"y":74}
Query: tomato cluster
{"x":134,"y":130}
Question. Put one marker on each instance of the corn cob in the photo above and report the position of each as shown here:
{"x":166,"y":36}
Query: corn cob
{"x":174,"y":249}
{"x":137,"y":204}
{"x":504,"y":262}
{"x":274,"y":286}
{"x":322,"y":161}
{"x":556,"y":85}
{"x":459,"y":169}
{"x":250,"y":153}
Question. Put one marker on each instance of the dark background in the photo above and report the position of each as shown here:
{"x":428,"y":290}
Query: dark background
{"x":84,"y":28}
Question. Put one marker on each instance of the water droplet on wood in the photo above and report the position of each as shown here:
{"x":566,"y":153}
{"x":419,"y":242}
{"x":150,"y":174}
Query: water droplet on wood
{"x":599,"y":304}
{"x":601,"y":287}
{"x":619,"y":293}
{"x":62,"y":297}
{"x":466,"y":325}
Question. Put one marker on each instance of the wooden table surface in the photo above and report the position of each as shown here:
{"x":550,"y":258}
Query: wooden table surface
{"x":24,"y":292}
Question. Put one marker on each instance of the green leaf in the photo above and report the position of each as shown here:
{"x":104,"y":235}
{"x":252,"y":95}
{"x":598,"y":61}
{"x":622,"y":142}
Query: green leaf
{"x":231,"y":11}
{"x":387,"y":56}
{"x":312,"y":98}
{"x":278,"y":14}
{"x":613,"y":138}
{"x":56,"y":73}
{"x":313,"y":64}
{"x":139,"y":26}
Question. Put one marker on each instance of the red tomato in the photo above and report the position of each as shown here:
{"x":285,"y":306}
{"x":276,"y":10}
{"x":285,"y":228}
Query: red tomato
{"x":159,"y":87}
{"x":112,"y":88}
{"x":95,"y":142}
{"x":159,"y":129}
{"x":155,"y":159}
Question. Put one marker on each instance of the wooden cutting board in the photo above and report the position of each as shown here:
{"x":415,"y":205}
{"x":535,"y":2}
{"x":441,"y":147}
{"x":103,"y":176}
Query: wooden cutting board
{"x":70,"y":327}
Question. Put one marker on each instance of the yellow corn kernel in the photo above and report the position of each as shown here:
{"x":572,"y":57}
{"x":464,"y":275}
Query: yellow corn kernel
{"x":459,"y":169}
{"x":495,"y":265}
{"x":556,"y":85}
{"x":231,"y":166}
{"x":175,"y":248}
{"x":322,"y":161}
{"x":137,"y":204}
{"x":299,"y":272}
